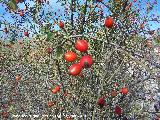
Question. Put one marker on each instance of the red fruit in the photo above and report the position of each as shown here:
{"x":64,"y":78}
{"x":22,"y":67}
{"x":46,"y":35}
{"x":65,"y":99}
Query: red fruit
{"x":21,"y":1}
{"x":142,"y":25}
{"x":86,"y":61}
{"x":21,"y":13}
{"x":81,"y":45}
{"x":129,"y":6}
{"x":109,"y":22}
{"x":41,"y":1}
{"x":66,"y":93}
{"x":26,"y":34}
{"x":61,"y":24}
{"x":70,"y":56}
{"x":149,"y":44}
{"x":49,"y":50}
{"x":99,"y":0}
{"x":56,"y":89}
{"x":20,"y":42}
{"x":5,"y":114}
{"x":50,"y":103}
{"x":18,"y":77}
{"x":75,"y":69}
{"x":116,"y":84}
{"x":9,"y":45}
{"x":157,"y":118}
{"x":68,"y":118}
{"x":124,"y":90}
{"x":113,"y":93}
{"x":101,"y":102}
{"x":118,"y":110}
{"x":5,"y":30}
{"x":17,"y":1}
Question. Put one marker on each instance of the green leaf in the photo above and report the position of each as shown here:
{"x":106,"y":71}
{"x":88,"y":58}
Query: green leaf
{"x":49,"y":36}
{"x":12,"y":5}
{"x":68,"y":47}
{"x":90,"y":0}
{"x":59,"y":52}
{"x":11,"y":108}
{"x":157,"y":42}
{"x":82,"y":8}
{"x":43,"y":30}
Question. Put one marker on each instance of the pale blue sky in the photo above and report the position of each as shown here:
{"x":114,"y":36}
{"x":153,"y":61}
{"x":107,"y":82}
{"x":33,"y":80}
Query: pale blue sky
{"x":55,"y":6}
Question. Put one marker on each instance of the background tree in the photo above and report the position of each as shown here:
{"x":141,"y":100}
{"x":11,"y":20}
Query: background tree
{"x":37,"y":79}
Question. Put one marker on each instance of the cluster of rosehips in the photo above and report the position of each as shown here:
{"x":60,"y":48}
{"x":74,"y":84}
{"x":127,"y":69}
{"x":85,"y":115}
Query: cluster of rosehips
{"x":117,"y":110}
{"x":82,"y":46}
{"x":85,"y":61}
{"x":21,"y":13}
{"x":25,"y":33}
{"x":124,"y":91}
{"x":56,"y":89}
{"x":19,"y":1}
{"x":76,"y":68}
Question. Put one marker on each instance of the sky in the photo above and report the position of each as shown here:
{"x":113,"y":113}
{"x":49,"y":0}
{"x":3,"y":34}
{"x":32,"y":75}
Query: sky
{"x":56,"y":7}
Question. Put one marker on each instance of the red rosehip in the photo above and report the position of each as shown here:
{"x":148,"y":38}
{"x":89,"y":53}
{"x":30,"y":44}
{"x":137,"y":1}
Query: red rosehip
{"x":50,"y":103}
{"x":56,"y":89}
{"x":101,"y":101}
{"x":61,"y":24}
{"x":113,"y":93}
{"x":70,"y":56}
{"x":21,"y":13}
{"x":49,"y":50}
{"x":26,"y":34}
{"x":5,"y":114}
{"x":18,"y":77}
{"x":75,"y":69}
{"x":5,"y":30}
{"x":81,"y":45}
{"x":109,"y":22}
{"x":86,"y":61}
{"x":118,"y":110}
{"x":17,"y":1}
{"x":124,"y":90}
